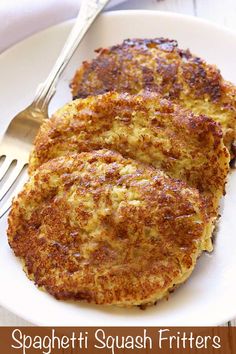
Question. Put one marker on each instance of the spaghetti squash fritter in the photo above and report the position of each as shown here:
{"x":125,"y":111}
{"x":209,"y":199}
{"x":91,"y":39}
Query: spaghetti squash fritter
{"x":159,"y":65}
{"x":146,"y":128}
{"x":101,"y":228}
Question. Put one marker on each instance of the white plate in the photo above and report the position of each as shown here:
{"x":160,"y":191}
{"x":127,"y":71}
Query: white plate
{"x":209,"y":297}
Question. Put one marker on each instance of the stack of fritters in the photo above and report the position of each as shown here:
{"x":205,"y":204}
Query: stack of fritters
{"x":125,"y":185}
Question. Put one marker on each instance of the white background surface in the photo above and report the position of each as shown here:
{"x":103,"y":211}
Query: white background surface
{"x":219,"y":11}
{"x":22,"y":18}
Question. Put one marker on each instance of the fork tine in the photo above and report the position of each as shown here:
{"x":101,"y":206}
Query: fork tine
{"x":5,"y":207}
{"x":8,"y":202}
{"x":5,"y":166}
{"x":13,"y":176}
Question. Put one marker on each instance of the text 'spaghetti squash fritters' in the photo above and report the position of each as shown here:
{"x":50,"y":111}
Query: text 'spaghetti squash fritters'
{"x":143,"y":127}
{"x":159,"y":65}
{"x":102,"y":228}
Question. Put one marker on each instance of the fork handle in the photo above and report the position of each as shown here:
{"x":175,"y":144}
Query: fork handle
{"x":89,"y":10}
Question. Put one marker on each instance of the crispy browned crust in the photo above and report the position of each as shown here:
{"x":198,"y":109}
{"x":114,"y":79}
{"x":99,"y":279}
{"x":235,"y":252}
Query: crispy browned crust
{"x":159,"y":65}
{"x":105,"y":229}
{"x":143,"y":127}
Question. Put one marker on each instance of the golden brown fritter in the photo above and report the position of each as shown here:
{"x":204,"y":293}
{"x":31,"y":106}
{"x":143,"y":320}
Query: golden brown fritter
{"x":159,"y":65}
{"x":143,"y":127}
{"x":101,"y":228}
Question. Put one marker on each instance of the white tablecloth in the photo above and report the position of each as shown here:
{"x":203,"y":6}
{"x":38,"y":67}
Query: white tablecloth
{"x":21,"y":18}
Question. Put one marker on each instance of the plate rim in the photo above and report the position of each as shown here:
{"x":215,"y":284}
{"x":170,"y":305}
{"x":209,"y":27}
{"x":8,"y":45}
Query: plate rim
{"x":131,"y":12}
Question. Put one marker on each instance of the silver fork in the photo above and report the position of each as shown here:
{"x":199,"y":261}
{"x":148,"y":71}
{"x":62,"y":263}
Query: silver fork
{"x":17,"y":141}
